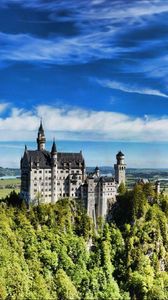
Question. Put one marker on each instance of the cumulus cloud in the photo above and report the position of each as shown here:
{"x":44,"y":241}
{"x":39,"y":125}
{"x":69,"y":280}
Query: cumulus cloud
{"x":128,"y":88}
{"x":78,"y":124}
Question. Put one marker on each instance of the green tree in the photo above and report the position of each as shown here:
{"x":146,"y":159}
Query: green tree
{"x":65,"y":287}
{"x":121,"y":189}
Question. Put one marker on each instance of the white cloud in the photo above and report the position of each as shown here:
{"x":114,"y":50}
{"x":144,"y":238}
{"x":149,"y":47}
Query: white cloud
{"x":3,"y":106}
{"x":59,"y":50}
{"x":97,"y":9}
{"x":97,"y":37}
{"x":77,"y":124}
{"x":130,"y":88}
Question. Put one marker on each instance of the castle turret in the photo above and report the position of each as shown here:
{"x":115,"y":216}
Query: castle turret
{"x":157,"y":187}
{"x":97,"y":171}
{"x":120,"y":168}
{"x":41,"y":140}
{"x":53,"y":173}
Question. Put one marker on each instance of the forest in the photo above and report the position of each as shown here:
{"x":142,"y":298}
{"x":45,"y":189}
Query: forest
{"x":56,"y":252}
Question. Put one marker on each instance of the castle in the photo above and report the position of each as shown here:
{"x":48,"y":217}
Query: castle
{"x":47,"y":176}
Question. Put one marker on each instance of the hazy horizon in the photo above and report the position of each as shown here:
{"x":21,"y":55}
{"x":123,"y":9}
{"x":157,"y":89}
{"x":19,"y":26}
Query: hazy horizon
{"x":137,"y":155}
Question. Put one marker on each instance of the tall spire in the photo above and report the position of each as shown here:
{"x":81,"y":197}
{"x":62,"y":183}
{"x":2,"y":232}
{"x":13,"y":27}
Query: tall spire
{"x":53,"y":149}
{"x":41,"y":137}
{"x":41,"y":130}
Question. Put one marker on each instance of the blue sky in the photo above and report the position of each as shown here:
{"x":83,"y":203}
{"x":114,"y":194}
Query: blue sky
{"x":95,"y":71}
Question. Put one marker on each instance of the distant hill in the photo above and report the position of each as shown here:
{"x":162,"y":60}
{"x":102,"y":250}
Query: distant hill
{"x":9,"y":172}
{"x":146,"y":172}
{"x":105,"y":170}
{"x":133,"y":174}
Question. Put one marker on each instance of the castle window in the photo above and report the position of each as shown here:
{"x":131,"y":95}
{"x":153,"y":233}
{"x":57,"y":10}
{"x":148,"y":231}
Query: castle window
{"x":35,"y":171}
{"x":40,"y":171}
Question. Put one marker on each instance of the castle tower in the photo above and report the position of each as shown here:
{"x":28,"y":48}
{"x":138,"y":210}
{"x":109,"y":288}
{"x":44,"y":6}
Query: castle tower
{"x":157,"y":187}
{"x":97,"y":172}
{"x":120,"y":168}
{"x":41,"y":138}
{"x":53,"y":173}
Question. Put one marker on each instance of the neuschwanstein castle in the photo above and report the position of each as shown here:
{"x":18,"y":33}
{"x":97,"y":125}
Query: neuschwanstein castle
{"x":47,"y":176}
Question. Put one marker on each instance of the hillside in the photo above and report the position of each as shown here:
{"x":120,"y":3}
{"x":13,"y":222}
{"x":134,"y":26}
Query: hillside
{"x":54,"y":252}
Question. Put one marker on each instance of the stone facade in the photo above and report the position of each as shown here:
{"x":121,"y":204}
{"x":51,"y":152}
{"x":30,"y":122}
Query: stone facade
{"x":47,"y":176}
{"x":99,"y":194}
